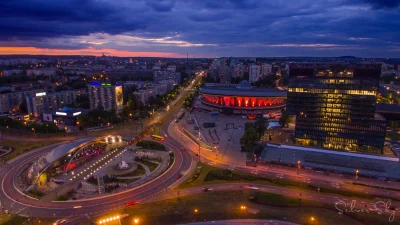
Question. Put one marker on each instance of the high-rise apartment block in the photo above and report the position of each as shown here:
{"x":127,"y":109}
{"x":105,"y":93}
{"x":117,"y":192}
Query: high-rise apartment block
{"x":42,"y":101}
{"x":238,"y":70}
{"x":266,"y":69}
{"x":105,"y":95}
{"x":254,"y":73}
{"x":334,"y":106}
{"x":11,"y":101}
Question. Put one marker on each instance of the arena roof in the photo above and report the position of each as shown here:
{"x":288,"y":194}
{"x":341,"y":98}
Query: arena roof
{"x":241,"y":90}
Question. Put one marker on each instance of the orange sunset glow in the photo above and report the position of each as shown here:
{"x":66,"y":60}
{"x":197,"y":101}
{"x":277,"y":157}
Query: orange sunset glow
{"x":86,"y":51}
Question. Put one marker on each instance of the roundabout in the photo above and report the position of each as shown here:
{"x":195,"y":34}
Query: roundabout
{"x":17,"y":203}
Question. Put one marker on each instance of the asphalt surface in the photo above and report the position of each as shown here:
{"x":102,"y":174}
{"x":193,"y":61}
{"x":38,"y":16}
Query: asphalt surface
{"x":161,"y":187}
{"x":80,"y":210}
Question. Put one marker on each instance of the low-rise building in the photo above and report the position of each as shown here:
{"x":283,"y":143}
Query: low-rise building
{"x":12,"y":72}
{"x":42,"y":71}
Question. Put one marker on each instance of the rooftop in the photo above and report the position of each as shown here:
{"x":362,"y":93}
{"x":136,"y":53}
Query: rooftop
{"x":241,"y":89}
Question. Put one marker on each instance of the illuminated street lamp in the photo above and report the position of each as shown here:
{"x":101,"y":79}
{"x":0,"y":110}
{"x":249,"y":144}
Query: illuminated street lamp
{"x":110,"y":220}
{"x":298,"y":167}
{"x":356,"y":174}
{"x":312,"y":220}
{"x":196,"y":210}
{"x":136,"y":220}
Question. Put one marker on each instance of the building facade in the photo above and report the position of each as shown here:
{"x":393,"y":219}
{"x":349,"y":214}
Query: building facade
{"x":254,"y":73}
{"x":266,"y":69}
{"x":238,"y":70}
{"x":334,"y":106}
{"x":40,"y":102}
{"x":167,"y":75}
{"x":242,"y":98}
{"x":11,"y":101}
{"x":105,"y":95}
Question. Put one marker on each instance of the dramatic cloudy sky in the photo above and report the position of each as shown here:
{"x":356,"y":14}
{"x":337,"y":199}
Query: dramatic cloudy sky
{"x":201,"y":28}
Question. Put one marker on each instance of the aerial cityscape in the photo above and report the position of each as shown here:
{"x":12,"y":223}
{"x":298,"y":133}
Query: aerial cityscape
{"x":213,"y":112}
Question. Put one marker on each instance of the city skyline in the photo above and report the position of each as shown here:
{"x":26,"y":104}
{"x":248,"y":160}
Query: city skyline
{"x":174,"y":28}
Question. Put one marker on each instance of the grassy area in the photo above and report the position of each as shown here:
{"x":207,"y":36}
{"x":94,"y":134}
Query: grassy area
{"x":393,"y":136}
{"x":138,"y":172}
{"x":7,"y":219}
{"x":20,"y":147}
{"x":151,"y":145}
{"x":226,"y":205}
{"x":152,"y":166}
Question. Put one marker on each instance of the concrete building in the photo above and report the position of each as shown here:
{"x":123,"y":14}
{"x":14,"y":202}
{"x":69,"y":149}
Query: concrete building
{"x":171,"y":68}
{"x":105,"y":95}
{"x":266,"y":69}
{"x":18,"y":61}
{"x":42,"y":71}
{"x":40,"y":102}
{"x":254,"y":73}
{"x":167,"y":75}
{"x":238,"y":70}
{"x":11,"y":101}
{"x":152,"y":90}
{"x":225,"y":75}
{"x":12,"y":72}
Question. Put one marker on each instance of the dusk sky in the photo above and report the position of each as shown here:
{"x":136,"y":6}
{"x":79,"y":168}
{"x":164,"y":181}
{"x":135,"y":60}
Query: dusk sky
{"x":201,"y":28}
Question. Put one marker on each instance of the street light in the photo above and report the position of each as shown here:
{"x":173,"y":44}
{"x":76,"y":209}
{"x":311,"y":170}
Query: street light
{"x":196,"y":210}
{"x":298,"y":167}
{"x":356,"y":174}
{"x":312,"y":220}
{"x":136,"y":220}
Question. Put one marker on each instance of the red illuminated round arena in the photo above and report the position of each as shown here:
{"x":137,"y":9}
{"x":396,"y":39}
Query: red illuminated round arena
{"x":242,"y":98}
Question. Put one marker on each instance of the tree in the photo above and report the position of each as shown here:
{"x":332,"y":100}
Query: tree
{"x":23,"y":108}
{"x":260,"y":126}
{"x":285,"y":119}
{"x":250,"y":137}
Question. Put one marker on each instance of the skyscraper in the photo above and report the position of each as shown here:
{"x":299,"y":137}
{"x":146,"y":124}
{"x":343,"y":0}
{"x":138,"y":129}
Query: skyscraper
{"x":334,"y":106}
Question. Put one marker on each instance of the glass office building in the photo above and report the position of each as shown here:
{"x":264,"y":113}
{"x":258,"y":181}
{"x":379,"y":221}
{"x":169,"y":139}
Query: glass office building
{"x":335,"y":104}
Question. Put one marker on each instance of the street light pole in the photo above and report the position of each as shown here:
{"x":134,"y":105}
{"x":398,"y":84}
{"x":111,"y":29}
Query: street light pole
{"x":356,"y":175}
{"x":298,"y":167}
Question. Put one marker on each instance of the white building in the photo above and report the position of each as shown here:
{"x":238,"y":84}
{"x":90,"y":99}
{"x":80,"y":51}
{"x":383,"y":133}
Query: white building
{"x":105,"y":95}
{"x":266,"y":69}
{"x":254,"y":73}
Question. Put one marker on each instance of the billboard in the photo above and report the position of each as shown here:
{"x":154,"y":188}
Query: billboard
{"x":47,"y":117}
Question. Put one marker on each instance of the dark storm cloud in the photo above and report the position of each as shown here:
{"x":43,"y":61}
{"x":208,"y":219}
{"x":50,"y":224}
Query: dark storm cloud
{"x":161,"y":5}
{"x":42,"y":18}
{"x":379,"y":4}
{"x":207,"y":27}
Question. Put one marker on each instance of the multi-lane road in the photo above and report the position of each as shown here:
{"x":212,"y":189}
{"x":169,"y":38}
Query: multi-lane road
{"x":157,"y":189}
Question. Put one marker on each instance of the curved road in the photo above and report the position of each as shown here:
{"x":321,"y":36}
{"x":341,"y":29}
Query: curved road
{"x":79,"y":210}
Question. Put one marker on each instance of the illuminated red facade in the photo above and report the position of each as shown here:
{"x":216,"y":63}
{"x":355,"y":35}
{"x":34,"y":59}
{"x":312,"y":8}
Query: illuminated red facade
{"x":245,"y":102}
